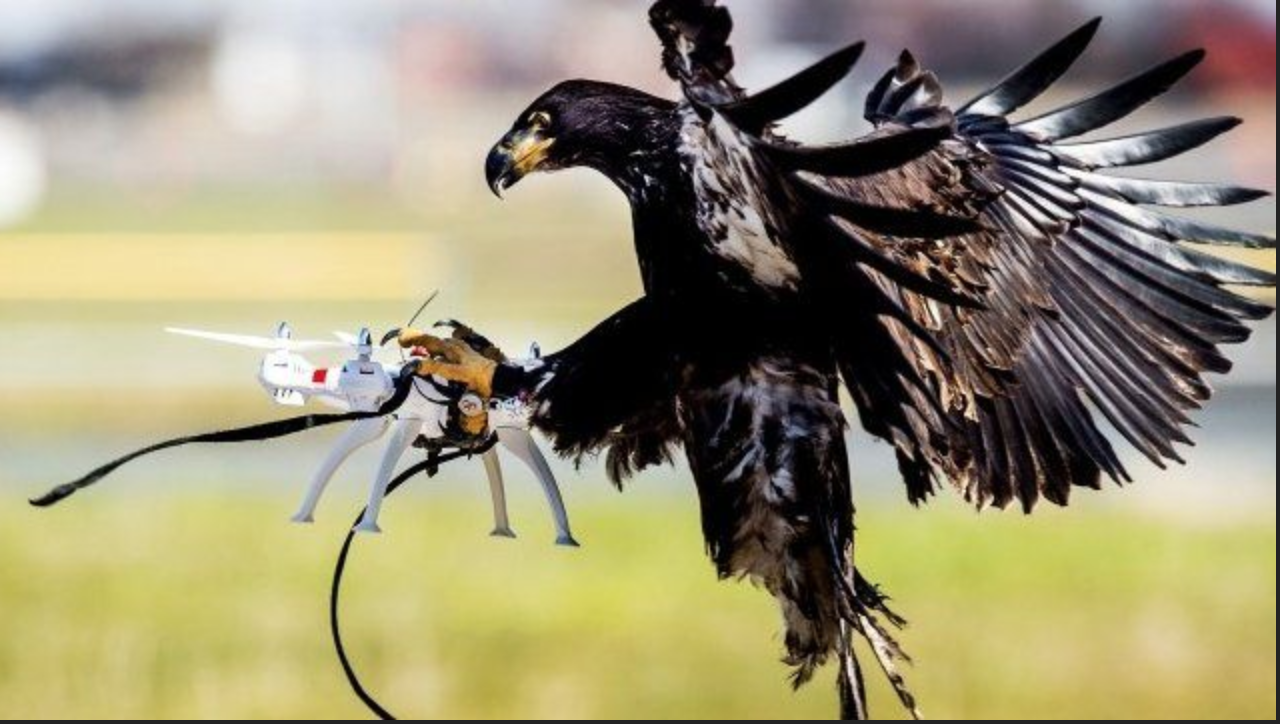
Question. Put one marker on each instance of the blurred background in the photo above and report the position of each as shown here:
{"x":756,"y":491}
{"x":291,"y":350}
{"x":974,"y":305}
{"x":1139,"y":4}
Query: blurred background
{"x":229,"y":164}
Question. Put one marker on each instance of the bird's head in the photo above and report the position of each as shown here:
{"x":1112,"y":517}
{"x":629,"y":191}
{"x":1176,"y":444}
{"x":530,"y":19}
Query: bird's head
{"x":577,"y":123}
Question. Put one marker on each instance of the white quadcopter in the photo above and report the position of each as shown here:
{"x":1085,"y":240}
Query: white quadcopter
{"x":364,"y":385}
{"x":447,"y":421}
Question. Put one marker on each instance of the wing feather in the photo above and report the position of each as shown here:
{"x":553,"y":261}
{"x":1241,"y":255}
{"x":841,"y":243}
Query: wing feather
{"x":1031,"y":80}
{"x":1166,"y":193}
{"x":1113,"y":104}
{"x":1089,"y":301}
{"x":760,"y":110}
{"x":996,"y":289}
{"x":1144,"y":148}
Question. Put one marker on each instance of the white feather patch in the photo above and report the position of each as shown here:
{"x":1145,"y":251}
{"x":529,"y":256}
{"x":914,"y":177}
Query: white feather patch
{"x":731,"y":203}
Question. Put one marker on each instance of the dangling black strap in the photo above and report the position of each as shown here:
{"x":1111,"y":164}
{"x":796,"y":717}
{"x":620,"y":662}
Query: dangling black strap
{"x":430,"y":466}
{"x":335,"y":590}
{"x":253,"y":433}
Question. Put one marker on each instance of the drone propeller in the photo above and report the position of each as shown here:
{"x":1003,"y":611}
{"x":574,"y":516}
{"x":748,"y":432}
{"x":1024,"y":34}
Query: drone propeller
{"x":269,"y":344}
{"x":347,"y":338}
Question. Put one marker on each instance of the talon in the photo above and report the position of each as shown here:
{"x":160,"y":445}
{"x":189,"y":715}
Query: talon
{"x":409,"y":337}
{"x":413,"y":338}
{"x":463,"y":333}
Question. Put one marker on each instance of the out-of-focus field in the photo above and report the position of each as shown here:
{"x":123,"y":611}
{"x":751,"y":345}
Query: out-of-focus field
{"x":132,"y":601}
{"x":211,"y":606}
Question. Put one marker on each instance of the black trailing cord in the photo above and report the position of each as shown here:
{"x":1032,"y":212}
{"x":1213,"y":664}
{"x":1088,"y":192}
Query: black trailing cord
{"x":253,"y":433}
{"x":430,"y":467}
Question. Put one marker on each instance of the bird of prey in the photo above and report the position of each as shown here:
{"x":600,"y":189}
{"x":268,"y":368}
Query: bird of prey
{"x":984,"y":285}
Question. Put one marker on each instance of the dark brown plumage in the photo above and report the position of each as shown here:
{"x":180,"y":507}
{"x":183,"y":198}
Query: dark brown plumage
{"x":980,"y":285}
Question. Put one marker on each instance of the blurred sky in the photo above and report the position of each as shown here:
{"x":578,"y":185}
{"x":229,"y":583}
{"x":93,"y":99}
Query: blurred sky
{"x":398,"y":93}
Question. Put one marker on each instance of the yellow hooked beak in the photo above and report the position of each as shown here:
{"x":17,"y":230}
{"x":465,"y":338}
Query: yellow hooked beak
{"x":517,"y":155}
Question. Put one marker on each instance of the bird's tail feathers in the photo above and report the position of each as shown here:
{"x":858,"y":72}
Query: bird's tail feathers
{"x":827,"y":604}
{"x":865,"y":611}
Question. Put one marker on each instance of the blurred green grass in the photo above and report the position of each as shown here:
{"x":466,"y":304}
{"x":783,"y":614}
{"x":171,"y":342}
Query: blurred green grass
{"x":138,"y":605}
{"x":180,"y":605}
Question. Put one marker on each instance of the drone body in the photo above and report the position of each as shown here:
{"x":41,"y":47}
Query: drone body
{"x":427,"y":419}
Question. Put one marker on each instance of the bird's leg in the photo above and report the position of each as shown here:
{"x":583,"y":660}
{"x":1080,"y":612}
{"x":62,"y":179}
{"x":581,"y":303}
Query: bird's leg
{"x":358,"y":435}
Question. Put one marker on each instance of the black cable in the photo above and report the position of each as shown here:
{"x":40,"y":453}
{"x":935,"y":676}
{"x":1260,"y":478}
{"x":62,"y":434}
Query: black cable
{"x":430,"y":466}
{"x":253,"y":433}
{"x":405,"y":385}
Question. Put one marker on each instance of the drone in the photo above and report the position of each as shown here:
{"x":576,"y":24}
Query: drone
{"x":428,"y":419}
{"x":447,"y":422}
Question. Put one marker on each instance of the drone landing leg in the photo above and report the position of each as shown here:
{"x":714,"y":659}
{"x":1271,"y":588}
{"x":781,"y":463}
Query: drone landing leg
{"x":402,"y":438}
{"x":498,"y":491}
{"x":357,"y":436}
{"x":521,"y":444}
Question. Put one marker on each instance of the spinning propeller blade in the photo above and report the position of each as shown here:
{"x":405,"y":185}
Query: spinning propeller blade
{"x":269,"y":344}
{"x":347,"y":338}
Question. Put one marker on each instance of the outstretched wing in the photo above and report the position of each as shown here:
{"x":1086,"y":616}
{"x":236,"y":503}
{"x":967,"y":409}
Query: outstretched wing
{"x":992,"y":287}
{"x":584,"y":408}
{"x":1092,"y":302}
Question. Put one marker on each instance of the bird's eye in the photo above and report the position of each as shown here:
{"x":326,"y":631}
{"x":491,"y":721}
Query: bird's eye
{"x":540,"y":119}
